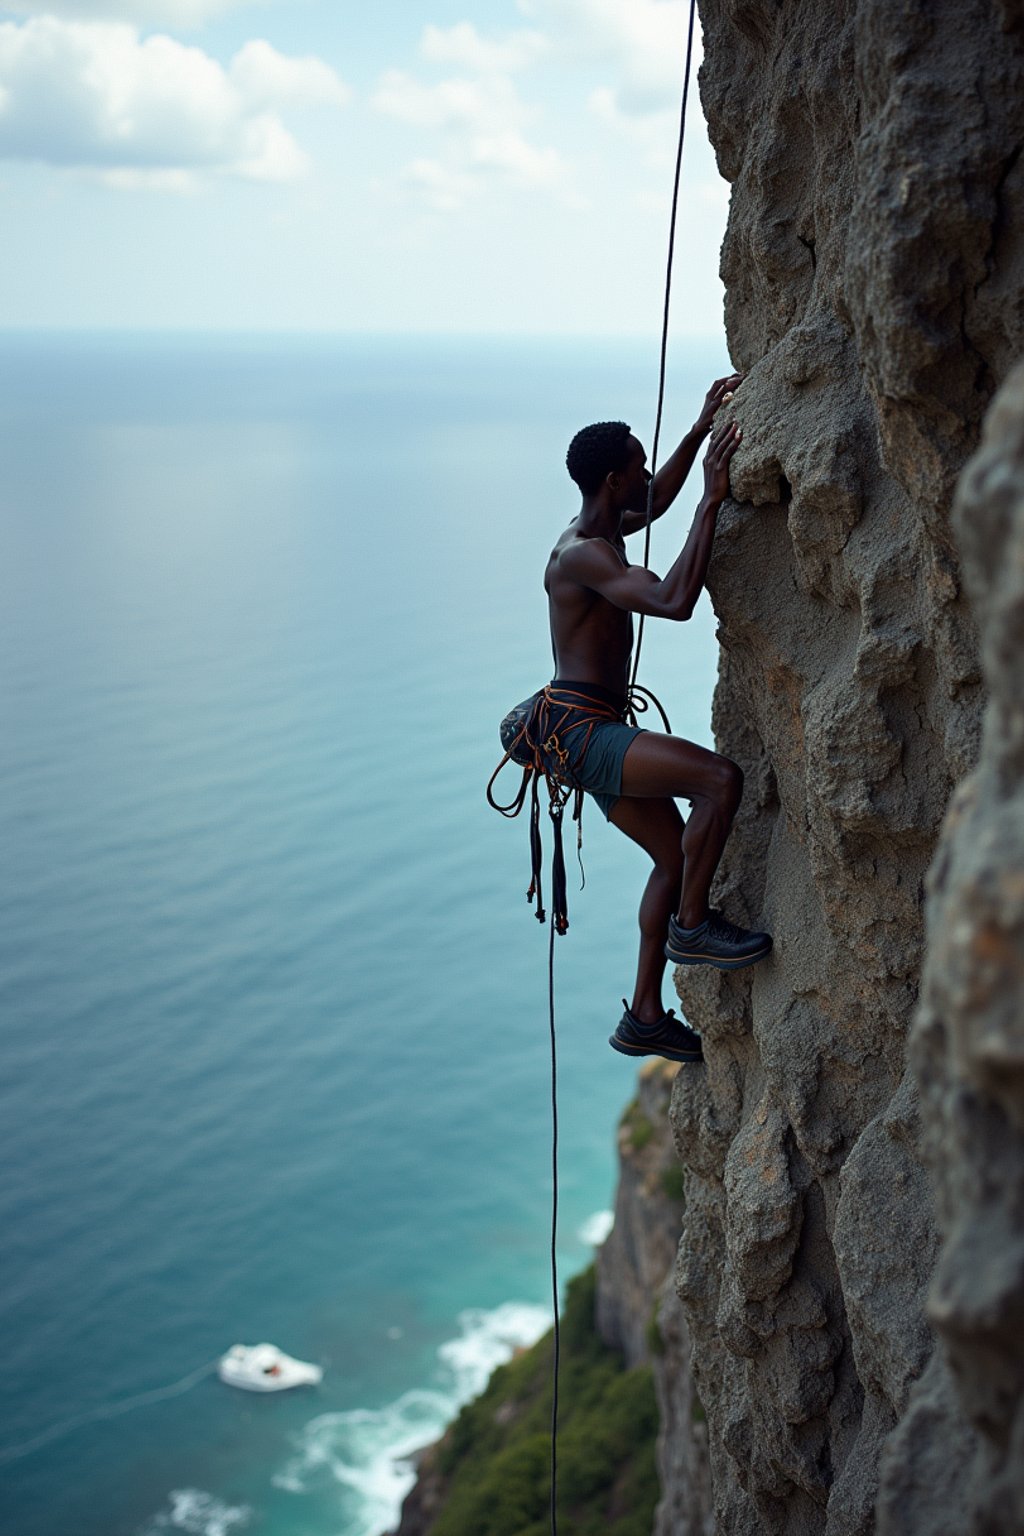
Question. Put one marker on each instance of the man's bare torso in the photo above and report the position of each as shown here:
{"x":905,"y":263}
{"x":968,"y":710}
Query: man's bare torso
{"x":592,"y":638}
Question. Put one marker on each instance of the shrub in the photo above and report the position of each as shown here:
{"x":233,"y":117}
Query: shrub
{"x":497,"y":1465}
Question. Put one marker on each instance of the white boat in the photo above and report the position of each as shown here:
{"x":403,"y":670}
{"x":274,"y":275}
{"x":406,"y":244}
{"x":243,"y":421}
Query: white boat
{"x":265,"y":1368}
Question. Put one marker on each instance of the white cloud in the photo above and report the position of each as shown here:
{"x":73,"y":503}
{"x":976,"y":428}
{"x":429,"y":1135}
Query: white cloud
{"x":180,"y":14}
{"x":511,"y":154}
{"x":441,"y":186}
{"x":460,"y":104}
{"x":95,"y":94}
{"x":478,"y":115}
{"x":128,"y":180}
{"x":642,"y":44}
{"x":268,"y":78}
{"x":463,"y":46}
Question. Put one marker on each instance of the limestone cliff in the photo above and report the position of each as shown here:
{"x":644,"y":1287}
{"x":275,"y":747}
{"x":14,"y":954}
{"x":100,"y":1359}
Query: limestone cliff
{"x":874,"y":264}
{"x":637,"y":1309}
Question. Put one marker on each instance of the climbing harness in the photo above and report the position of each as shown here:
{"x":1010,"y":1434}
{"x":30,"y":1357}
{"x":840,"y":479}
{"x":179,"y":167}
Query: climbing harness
{"x":548,"y":736}
{"x":535,"y":737}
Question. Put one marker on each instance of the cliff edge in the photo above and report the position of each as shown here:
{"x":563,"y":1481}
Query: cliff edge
{"x":851,"y":1264}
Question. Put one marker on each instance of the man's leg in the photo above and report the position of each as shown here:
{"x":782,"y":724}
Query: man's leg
{"x":660,"y":767}
{"x":658,"y":827}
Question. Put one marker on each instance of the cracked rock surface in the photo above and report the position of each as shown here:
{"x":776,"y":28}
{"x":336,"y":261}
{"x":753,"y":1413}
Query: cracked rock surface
{"x":857,"y":1371}
{"x":967,"y":1048}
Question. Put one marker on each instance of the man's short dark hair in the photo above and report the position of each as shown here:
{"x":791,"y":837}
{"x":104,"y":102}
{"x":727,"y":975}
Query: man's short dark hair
{"x":596,"y":451}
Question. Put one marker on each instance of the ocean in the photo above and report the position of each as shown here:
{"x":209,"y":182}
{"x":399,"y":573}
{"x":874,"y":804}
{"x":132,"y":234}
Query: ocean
{"x":273,"y":1006}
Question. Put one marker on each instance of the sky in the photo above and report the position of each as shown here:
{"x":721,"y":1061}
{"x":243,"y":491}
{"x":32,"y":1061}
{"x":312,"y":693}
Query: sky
{"x":454,"y":166}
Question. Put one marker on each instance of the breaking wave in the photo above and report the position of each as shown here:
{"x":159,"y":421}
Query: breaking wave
{"x":197,"y":1514}
{"x":370,"y":1451}
{"x":596,"y":1228}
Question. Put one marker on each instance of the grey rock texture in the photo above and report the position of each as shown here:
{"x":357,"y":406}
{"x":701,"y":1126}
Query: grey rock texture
{"x":874,"y":267}
{"x":640,"y":1249}
{"x":637,"y":1308}
{"x":967,"y":1045}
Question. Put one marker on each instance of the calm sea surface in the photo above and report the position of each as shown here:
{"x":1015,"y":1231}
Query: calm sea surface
{"x":273,"y":1007}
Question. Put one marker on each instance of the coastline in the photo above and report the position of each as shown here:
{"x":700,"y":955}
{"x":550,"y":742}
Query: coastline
{"x":623,"y":1324}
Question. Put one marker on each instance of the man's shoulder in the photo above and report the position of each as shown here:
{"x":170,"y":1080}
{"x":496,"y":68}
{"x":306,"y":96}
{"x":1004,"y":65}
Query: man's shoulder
{"x":575,"y":550}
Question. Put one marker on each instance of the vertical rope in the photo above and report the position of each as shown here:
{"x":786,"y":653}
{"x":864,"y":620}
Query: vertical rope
{"x":664,"y":326}
{"x":636,"y":664}
{"x":554,"y":1223}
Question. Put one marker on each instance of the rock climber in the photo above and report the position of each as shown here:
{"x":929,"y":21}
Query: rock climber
{"x":636,"y":775}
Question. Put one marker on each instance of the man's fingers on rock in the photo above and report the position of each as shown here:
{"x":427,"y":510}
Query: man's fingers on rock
{"x":724,"y":444}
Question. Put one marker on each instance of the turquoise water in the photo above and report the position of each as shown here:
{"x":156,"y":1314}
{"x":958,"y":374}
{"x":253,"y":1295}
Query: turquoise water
{"x":273,"y":1007}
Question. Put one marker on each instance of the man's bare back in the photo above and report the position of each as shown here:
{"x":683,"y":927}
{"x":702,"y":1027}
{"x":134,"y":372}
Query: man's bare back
{"x":592,"y":638}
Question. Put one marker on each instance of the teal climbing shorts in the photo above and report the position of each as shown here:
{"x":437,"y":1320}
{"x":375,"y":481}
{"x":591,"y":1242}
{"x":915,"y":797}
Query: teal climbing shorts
{"x":595,"y":748}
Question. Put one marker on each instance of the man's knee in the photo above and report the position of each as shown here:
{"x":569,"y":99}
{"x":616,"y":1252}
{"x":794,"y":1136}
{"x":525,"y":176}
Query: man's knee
{"x":728,"y":778}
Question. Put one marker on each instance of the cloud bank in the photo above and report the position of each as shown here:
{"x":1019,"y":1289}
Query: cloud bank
{"x":151,"y":110}
{"x":644,"y":42}
{"x":181,"y":15}
{"x":479,"y":116}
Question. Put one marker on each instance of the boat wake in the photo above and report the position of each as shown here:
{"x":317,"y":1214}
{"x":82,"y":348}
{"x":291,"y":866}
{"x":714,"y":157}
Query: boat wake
{"x":108,"y":1411}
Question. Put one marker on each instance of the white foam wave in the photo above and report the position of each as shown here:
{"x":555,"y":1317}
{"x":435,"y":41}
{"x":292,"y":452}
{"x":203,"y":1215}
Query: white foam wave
{"x":487,"y":1340}
{"x":198,"y":1514}
{"x":369,"y":1451}
{"x":596,"y":1228}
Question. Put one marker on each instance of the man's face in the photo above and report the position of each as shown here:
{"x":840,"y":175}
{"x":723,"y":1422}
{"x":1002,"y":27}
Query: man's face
{"x":635,"y":478}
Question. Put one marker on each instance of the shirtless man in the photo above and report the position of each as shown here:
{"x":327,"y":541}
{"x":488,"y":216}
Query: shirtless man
{"x":636,"y":775}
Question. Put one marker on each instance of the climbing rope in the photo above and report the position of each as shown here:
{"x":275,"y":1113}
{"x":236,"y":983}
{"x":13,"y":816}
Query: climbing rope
{"x":554,"y":1219}
{"x":664,"y":324}
{"x":633,"y":687}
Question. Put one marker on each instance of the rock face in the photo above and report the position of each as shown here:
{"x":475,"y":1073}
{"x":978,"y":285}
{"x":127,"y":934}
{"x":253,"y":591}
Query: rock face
{"x":874,"y":269}
{"x":967,"y":1047}
{"x":637,"y":1309}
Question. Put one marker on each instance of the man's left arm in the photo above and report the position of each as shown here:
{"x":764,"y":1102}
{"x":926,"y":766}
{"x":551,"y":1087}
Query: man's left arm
{"x":669,"y":480}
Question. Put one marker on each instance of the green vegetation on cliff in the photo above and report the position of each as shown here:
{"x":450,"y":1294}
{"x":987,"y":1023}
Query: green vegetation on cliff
{"x":495,"y":1459}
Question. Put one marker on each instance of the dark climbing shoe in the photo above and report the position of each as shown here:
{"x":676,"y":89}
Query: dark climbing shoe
{"x":716,"y":942}
{"x":668,"y":1037}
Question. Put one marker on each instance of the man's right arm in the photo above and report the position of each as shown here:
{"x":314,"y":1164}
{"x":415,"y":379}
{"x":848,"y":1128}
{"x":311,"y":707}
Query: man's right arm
{"x":594,"y":564}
